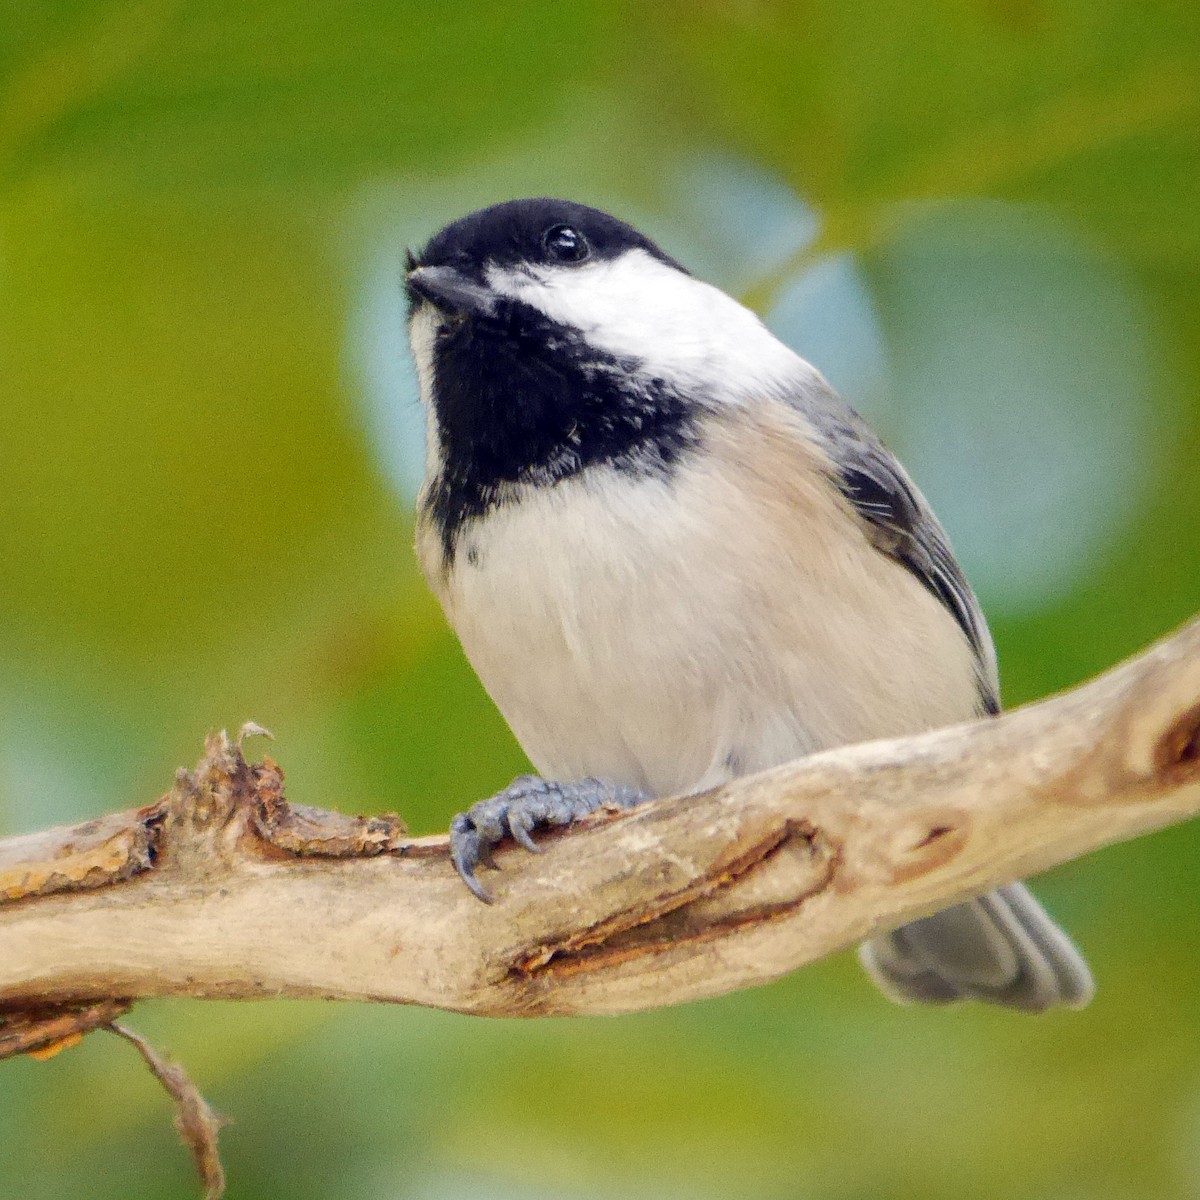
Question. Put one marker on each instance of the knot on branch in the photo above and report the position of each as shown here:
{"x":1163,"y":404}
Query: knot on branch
{"x":210,"y":807}
{"x":220,"y":811}
{"x":1179,"y":749}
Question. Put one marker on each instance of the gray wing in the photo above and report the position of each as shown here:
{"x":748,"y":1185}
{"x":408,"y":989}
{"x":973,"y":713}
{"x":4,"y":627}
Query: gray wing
{"x":900,"y":522}
{"x":1002,"y":947}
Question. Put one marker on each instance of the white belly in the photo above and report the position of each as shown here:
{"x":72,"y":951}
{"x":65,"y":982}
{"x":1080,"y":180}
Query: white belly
{"x":670,"y":636}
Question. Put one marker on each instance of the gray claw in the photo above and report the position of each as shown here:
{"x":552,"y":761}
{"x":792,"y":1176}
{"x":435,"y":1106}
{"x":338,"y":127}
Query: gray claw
{"x":466,"y":853}
{"x":519,"y":825}
{"x":528,"y":802}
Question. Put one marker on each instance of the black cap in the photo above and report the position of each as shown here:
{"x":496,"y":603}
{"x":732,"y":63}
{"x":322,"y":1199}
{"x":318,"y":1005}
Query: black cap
{"x":517,"y":231}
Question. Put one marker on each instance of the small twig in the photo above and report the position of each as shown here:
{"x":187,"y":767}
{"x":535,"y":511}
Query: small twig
{"x":198,"y":1124}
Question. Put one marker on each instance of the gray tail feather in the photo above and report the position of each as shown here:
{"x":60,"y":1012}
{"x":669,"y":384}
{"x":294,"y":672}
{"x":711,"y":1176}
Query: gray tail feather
{"x":1001,"y":948}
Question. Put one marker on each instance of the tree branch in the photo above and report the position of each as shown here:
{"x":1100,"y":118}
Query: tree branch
{"x":223,"y":889}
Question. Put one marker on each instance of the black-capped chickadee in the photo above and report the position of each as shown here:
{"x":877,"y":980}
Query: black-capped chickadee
{"x":673,"y":556}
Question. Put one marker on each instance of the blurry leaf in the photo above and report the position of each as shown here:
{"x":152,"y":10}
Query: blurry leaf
{"x":949,"y":99}
{"x":1004,"y":330}
{"x":200,"y":95}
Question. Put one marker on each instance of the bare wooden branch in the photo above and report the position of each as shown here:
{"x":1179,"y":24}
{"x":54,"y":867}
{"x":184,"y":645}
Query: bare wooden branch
{"x":223,"y":889}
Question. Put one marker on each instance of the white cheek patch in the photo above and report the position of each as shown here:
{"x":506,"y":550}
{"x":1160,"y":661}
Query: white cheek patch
{"x":679,"y":328}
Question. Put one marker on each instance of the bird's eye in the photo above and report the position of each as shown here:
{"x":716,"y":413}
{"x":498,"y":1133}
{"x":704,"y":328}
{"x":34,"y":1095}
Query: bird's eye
{"x":564,"y":244}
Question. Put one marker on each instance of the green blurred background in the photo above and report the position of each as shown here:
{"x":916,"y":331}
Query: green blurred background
{"x":981,"y":218}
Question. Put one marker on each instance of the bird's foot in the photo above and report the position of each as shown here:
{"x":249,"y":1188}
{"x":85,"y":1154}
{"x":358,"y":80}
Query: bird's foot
{"x":528,"y":803}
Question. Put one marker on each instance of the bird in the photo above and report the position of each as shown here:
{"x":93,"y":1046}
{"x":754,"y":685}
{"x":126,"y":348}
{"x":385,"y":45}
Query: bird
{"x":673,"y":555}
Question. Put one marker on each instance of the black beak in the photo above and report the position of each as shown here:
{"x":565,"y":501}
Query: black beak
{"x":451,"y":291}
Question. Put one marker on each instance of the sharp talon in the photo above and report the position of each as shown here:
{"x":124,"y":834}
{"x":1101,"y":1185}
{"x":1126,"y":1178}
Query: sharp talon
{"x":467,"y":851}
{"x":520,"y":835}
{"x":476,"y":887}
{"x":464,"y":860}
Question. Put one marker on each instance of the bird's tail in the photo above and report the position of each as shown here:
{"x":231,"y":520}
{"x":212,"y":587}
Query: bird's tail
{"x":1001,"y":948}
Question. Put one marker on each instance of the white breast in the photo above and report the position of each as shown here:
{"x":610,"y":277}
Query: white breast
{"x":669,"y":635}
